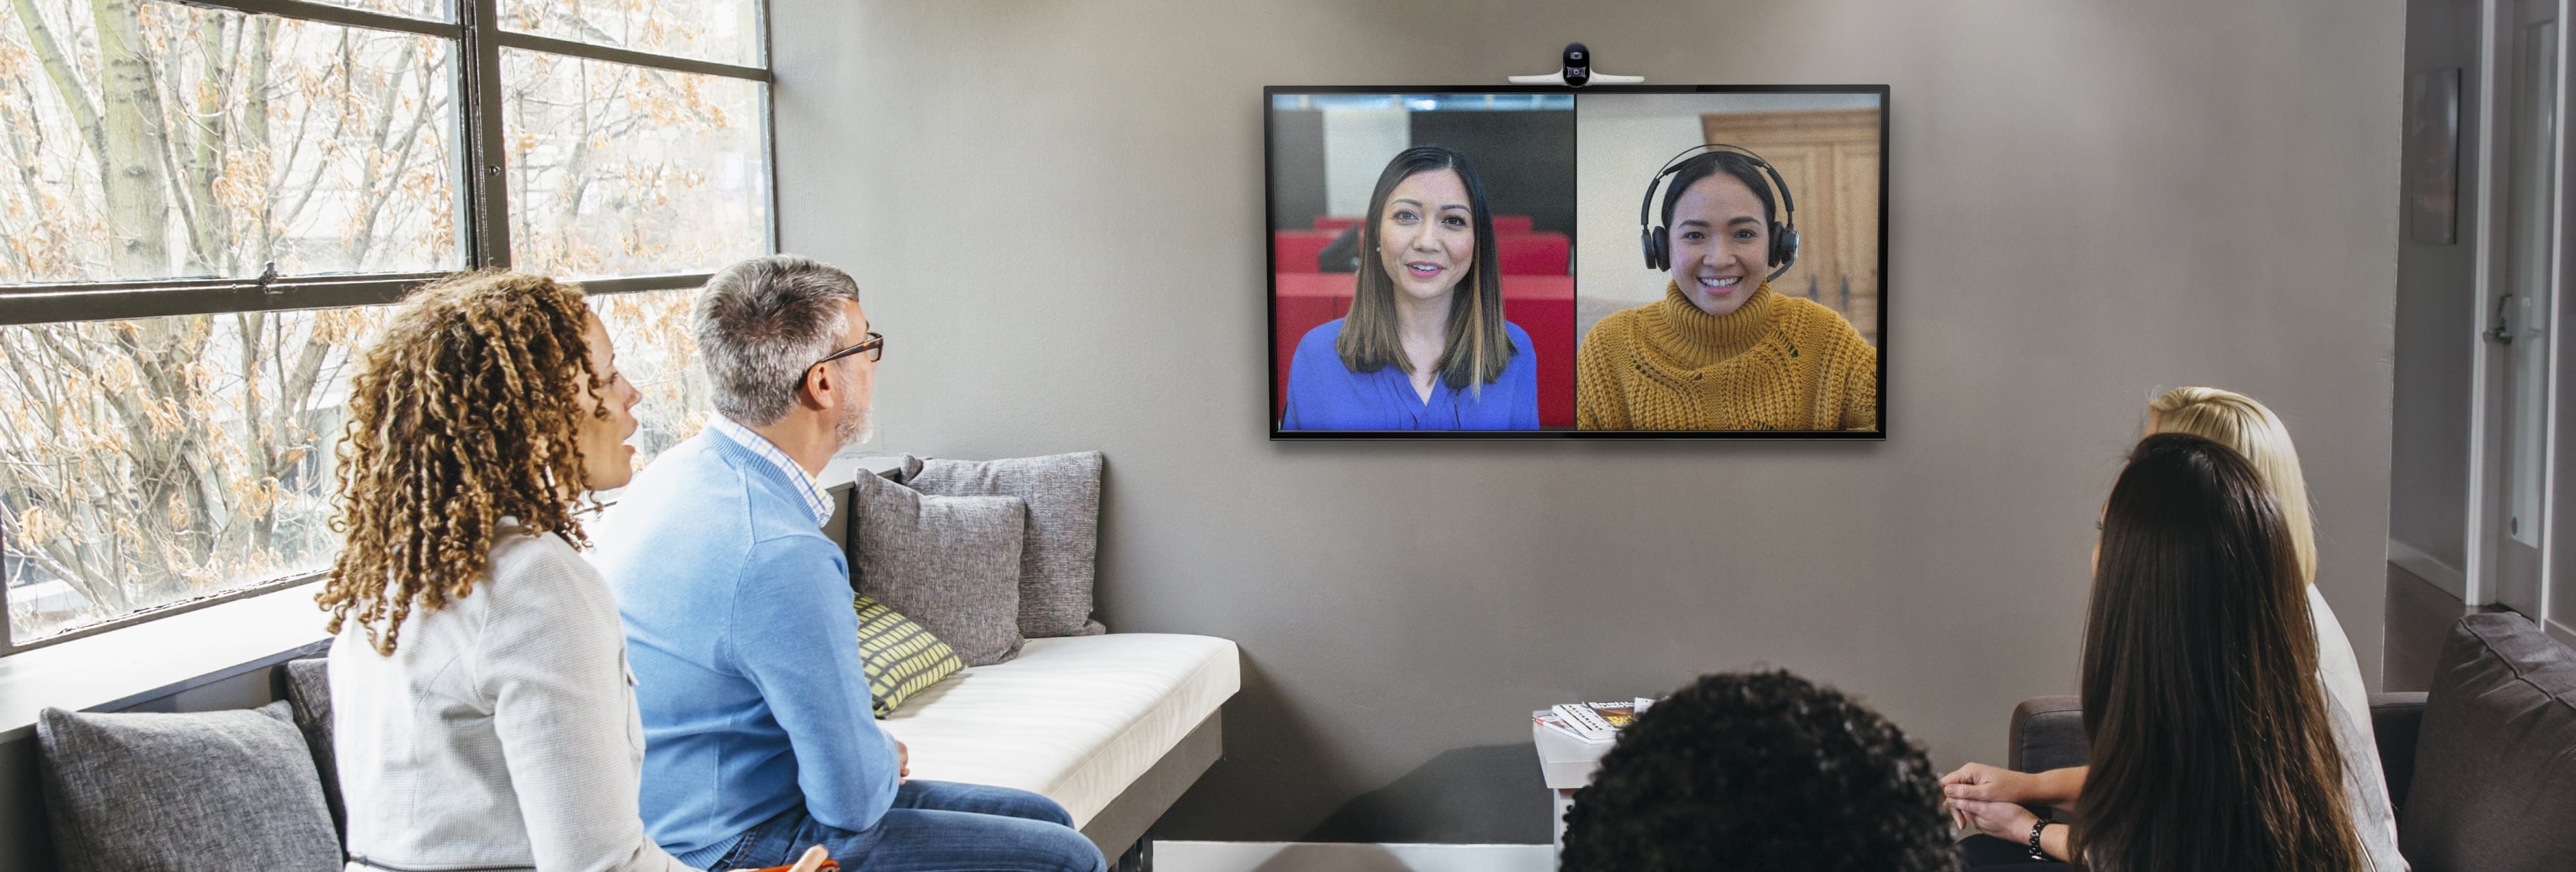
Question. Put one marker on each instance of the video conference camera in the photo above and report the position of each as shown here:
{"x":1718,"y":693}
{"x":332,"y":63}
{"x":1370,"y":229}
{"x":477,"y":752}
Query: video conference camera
{"x":1577,"y":72}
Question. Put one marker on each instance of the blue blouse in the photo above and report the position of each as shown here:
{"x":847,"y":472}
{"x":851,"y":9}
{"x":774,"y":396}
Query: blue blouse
{"x":1325,"y":395}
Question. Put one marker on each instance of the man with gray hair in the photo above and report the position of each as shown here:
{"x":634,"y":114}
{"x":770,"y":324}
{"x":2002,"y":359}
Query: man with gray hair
{"x":739,"y":629}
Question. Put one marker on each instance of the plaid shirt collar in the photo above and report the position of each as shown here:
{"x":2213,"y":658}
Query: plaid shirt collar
{"x":760,"y":445}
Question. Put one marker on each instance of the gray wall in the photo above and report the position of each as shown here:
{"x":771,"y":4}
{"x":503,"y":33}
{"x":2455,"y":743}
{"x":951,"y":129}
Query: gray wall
{"x":1055,"y":210}
{"x":2437,"y":318}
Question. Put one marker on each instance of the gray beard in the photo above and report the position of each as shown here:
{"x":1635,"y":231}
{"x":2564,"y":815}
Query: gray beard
{"x":857,"y":425}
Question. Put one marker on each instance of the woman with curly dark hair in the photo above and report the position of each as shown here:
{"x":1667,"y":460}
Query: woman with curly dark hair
{"x":482,"y":711}
{"x":1759,"y":770}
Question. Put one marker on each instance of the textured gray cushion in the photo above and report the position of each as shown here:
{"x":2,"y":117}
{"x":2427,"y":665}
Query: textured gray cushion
{"x":2495,"y":761}
{"x":204,"y":790}
{"x":2047,"y":732}
{"x":951,"y":564}
{"x":1063,"y":493}
{"x":308,"y":694}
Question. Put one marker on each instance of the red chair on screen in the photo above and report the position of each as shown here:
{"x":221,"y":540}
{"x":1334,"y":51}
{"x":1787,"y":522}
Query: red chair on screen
{"x":1533,"y":254}
{"x":1295,"y":250}
{"x":1543,"y":307}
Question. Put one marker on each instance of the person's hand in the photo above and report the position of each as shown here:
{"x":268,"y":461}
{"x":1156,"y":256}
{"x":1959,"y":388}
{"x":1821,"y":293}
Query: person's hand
{"x":1985,"y":783}
{"x":902,"y":762}
{"x":813,"y":860}
{"x":2003,"y":820}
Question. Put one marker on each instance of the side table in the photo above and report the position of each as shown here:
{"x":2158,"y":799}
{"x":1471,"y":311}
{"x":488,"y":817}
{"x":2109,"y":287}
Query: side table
{"x":1566,"y":764}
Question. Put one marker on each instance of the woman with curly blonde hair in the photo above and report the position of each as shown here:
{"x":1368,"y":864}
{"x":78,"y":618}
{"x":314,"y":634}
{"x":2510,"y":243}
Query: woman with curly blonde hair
{"x":483,"y":711}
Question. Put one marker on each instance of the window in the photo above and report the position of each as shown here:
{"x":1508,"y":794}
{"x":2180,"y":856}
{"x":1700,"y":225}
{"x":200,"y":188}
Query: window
{"x":209,"y":204}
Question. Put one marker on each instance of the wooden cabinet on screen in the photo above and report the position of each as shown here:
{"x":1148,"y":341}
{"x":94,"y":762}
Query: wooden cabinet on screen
{"x":1831,"y":162}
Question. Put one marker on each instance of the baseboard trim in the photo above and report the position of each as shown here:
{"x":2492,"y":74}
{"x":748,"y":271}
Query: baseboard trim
{"x":2429,"y":568}
{"x":2566,"y":634}
{"x":1176,"y":856}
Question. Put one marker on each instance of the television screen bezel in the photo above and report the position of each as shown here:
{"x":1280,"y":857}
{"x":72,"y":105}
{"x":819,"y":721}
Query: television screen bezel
{"x":1270,"y":262}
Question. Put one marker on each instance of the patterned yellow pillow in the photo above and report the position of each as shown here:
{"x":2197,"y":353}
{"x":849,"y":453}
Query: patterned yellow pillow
{"x":900,"y":657}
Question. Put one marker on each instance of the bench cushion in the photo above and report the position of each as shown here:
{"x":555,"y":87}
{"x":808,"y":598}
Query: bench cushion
{"x":1076,"y":718}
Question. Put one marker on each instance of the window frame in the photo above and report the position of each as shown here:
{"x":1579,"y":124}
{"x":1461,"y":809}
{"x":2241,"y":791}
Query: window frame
{"x":485,"y":226}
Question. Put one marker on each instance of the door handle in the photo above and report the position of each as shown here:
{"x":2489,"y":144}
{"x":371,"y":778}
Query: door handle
{"x":2502,"y":332}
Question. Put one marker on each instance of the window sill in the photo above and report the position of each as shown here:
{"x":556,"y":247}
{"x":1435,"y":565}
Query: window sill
{"x":121,"y":667}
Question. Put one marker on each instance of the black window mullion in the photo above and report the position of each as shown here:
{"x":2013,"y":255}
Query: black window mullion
{"x":328,"y":14}
{"x":633,"y":284}
{"x":768,"y":121}
{"x":8,"y":638}
{"x":630,"y":57}
{"x":486,"y":183}
{"x":122,"y":300}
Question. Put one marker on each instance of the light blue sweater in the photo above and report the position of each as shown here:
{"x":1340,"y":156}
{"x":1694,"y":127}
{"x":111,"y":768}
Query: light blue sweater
{"x":745,"y":652}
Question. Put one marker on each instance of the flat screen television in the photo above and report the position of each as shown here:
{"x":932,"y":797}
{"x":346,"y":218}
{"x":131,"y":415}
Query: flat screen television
{"x":1541,"y":262}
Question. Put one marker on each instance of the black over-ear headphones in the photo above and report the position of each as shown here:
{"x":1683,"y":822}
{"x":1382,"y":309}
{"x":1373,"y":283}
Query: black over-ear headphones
{"x":1784,"y":234}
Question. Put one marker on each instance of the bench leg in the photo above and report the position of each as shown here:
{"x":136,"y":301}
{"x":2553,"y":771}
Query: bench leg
{"x":1138,"y":857}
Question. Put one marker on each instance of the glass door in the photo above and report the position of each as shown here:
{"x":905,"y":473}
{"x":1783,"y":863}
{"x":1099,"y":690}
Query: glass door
{"x":2521,"y":308}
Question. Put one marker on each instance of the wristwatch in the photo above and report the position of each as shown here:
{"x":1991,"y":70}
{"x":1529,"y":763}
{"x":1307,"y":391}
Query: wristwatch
{"x":2035,"y":852}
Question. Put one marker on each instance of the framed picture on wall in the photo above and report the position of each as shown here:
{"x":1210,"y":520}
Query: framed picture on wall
{"x":2433,"y":156}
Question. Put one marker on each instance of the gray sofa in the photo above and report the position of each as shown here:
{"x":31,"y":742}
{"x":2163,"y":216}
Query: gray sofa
{"x":2482,"y":768}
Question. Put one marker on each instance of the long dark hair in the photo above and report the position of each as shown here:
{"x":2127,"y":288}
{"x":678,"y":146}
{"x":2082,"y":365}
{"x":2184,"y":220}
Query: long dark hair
{"x":2210,"y":744}
{"x":1476,"y":347}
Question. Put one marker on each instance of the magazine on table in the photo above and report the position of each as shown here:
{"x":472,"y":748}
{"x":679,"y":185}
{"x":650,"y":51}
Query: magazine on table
{"x":1592,"y":722}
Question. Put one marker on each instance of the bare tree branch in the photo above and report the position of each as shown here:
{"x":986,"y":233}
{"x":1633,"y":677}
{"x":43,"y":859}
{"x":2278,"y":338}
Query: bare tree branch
{"x":67,"y":84}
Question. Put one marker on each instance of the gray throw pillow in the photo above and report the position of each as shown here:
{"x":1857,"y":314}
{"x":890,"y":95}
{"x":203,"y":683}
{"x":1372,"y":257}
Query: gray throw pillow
{"x":203,"y":790}
{"x":308,"y":694}
{"x":952,"y":564}
{"x":1063,"y":493}
{"x":2495,"y":760}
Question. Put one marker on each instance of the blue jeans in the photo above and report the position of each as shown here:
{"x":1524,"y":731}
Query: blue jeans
{"x":935,"y":826}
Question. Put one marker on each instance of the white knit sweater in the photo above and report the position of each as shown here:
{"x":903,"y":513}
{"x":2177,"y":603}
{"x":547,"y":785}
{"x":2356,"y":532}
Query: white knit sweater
{"x":502,"y":733}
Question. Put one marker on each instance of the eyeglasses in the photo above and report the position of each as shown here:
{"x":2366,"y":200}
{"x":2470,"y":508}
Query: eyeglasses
{"x":873,"y":347}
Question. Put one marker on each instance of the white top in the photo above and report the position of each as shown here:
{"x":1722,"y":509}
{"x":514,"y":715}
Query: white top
{"x":2365,"y":787}
{"x":1077,"y":719}
{"x":502,"y":733}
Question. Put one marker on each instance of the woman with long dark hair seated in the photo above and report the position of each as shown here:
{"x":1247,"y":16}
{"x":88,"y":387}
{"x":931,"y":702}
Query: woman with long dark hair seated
{"x":480,"y":698}
{"x":2210,"y":745}
{"x":1425,"y":346}
{"x":2255,"y":433}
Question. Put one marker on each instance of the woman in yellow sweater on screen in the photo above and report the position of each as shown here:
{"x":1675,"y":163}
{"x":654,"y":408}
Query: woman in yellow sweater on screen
{"x":1721,"y":351}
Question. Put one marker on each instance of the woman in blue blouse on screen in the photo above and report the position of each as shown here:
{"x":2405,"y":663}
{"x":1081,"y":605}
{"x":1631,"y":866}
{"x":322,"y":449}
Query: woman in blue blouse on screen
{"x":1425,"y":346}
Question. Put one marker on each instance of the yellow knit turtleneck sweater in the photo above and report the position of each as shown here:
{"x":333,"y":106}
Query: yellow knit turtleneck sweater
{"x":1776,"y":363}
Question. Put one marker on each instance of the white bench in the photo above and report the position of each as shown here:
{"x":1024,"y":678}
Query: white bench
{"x":1114,"y":727}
